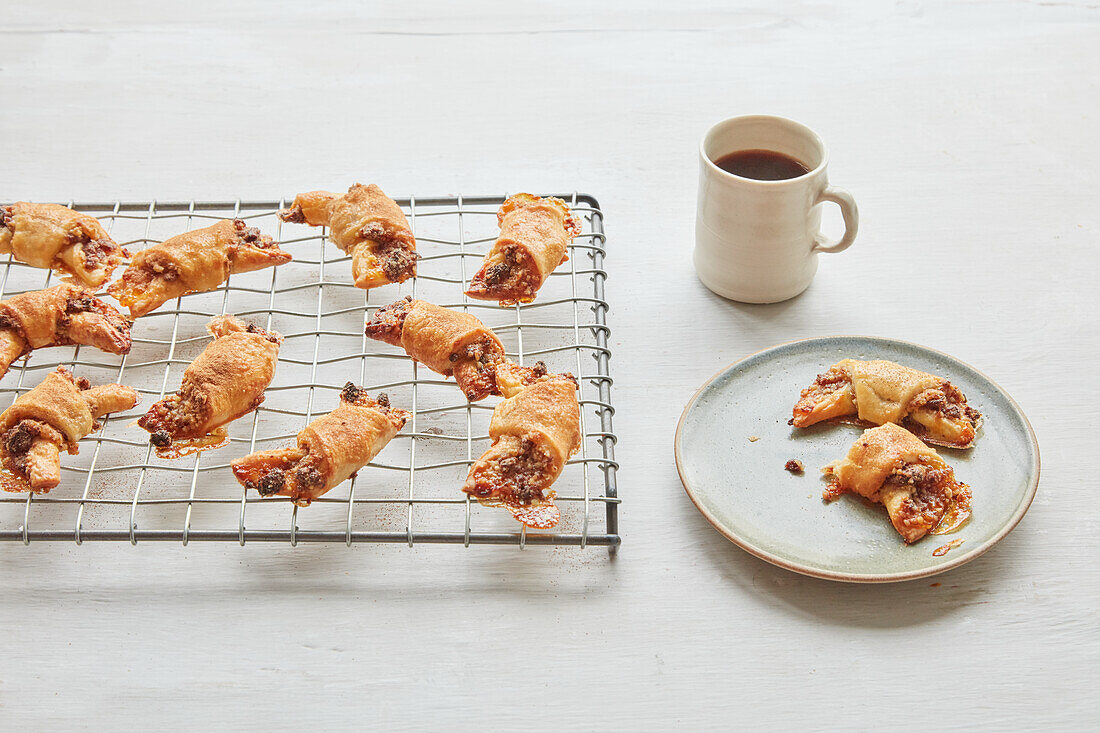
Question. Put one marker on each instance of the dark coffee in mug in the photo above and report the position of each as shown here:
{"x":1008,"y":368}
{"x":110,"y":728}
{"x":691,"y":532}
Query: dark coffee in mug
{"x":762,"y":180}
{"x":762,"y":165}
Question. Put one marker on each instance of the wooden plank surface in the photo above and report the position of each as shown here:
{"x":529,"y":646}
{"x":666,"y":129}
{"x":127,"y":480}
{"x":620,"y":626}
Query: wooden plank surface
{"x":967,"y":133}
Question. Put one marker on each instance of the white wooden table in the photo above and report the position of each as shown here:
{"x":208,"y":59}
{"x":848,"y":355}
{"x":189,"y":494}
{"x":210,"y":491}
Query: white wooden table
{"x":967,"y":134}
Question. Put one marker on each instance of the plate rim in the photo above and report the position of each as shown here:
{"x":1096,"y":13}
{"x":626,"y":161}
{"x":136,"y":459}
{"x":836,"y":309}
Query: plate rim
{"x":811,"y":571}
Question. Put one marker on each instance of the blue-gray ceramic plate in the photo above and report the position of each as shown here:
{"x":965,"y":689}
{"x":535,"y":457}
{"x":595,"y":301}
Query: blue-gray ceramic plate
{"x":733,"y":441}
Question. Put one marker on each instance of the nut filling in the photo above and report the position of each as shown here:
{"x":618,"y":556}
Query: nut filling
{"x":271,"y":483}
{"x":475,"y":368}
{"x":516,"y":477}
{"x":293,"y":215}
{"x":386,"y":322}
{"x":18,"y":440}
{"x":398,"y":262}
{"x":510,"y":278}
{"x":948,"y":401}
{"x":251,"y":235}
{"x":394,"y":248}
{"x":95,"y":251}
{"x":933,"y":494}
{"x":81,"y":303}
{"x":175,"y":415}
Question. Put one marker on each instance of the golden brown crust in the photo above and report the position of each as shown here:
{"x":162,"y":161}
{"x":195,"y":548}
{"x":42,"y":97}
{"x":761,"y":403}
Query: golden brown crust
{"x":224,"y":382}
{"x":53,"y":417}
{"x":547,"y":410}
{"x":57,"y":402}
{"x":103,"y":399}
{"x":330,"y":449}
{"x":449,"y":342}
{"x":368,"y":225}
{"x":196,"y":261}
{"x":509,"y":377}
{"x":534,"y":238}
{"x":878,"y":392}
{"x":534,"y":432}
{"x":56,"y":237}
{"x":891,"y":466}
{"x":437,"y":336}
{"x":59,"y":316}
{"x":310,"y":208}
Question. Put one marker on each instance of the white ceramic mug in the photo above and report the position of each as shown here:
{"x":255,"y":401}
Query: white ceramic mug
{"x":757,"y":241}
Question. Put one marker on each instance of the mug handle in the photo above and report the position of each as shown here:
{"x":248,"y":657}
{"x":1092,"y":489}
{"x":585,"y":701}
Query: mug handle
{"x":848,"y":210}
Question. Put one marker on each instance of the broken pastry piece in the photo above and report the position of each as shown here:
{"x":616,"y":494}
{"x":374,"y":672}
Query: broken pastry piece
{"x":534,"y":238}
{"x":59,"y":316}
{"x":330,"y":450}
{"x":56,"y":237}
{"x":446,"y":341}
{"x":368,"y":225}
{"x":224,"y":382}
{"x":891,"y":466}
{"x":878,"y":392}
{"x":50,"y":418}
{"x":534,"y":432}
{"x":193,"y":262}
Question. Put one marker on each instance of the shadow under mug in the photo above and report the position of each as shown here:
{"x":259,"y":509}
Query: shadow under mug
{"x":757,"y":241}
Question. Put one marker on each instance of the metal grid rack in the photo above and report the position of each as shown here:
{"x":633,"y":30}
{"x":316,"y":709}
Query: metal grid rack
{"x":118,"y":489}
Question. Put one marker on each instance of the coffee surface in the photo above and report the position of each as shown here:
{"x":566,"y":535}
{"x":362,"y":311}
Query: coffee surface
{"x":762,"y":165}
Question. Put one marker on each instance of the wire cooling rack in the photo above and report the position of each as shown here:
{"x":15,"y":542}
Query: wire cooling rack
{"x":118,"y":489}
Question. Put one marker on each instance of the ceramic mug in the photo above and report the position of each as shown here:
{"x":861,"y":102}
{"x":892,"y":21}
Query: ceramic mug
{"x":757,"y":241}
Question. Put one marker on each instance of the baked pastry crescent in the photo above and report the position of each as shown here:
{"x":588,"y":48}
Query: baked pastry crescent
{"x":56,"y":237}
{"x":534,"y":238}
{"x":534,"y":432}
{"x":891,"y":466}
{"x":878,"y":392}
{"x":330,"y":450}
{"x":50,"y":418}
{"x":224,"y":382}
{"x":59,"y":316}
{"x":193,"y":262}
{"x":368,"y":225}
{"x":449,"y":342}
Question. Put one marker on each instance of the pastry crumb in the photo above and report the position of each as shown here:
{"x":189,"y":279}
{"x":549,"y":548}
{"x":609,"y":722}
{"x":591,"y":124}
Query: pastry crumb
{"x":754,"y":438}
{"x":794,"y":466}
